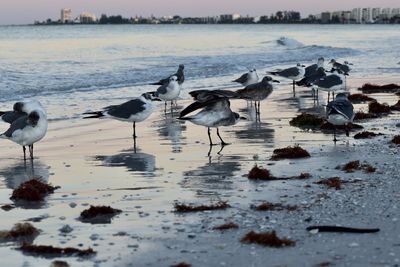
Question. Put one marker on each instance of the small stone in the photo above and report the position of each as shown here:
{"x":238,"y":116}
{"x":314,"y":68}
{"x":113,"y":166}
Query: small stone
{"x":66,"y":229}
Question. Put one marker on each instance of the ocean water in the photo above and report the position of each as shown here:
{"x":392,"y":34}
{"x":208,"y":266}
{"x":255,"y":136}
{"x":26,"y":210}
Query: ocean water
{"x":62,"y":62}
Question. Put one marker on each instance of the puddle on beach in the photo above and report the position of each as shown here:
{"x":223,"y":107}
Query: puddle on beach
{"x":96,"y":163}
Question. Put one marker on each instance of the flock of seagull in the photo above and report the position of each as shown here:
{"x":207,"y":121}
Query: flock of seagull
{"x":28,"y":119}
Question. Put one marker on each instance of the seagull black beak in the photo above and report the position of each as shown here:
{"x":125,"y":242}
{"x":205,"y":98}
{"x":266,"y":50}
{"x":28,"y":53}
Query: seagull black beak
{"x":243,"y":118}
{"x":303,"y":66}
{"x":156,"y":99}
{"x":276,"y":81}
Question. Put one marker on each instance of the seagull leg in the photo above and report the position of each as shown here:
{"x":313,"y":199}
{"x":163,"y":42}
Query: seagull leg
{"x":222,"y":141}
{"x":347,"y":130}
{"x":209,"y":136}
{"x":31,"y":151}
{"x":24,"y":149}
{"x":334,"y":134}
{"x":165,"y":107}
{"x":329,"y":94}
{"x":294,"y":88}
{"x":134,"y":130}
{"x":333,"y":96}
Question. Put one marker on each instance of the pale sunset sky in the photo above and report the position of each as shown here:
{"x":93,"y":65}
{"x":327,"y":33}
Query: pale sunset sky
{"x":26,"y":11}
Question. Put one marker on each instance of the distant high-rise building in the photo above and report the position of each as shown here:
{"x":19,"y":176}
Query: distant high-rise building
{"x":325,"y":17}
{"x":367,"y":15}
{"x":395,"y":12}
{"x":66,"y":15}
{"x":376,"y":13}
{"x":86,"y":18}
{"x":356,"y":15}
{"x":386,"y":13}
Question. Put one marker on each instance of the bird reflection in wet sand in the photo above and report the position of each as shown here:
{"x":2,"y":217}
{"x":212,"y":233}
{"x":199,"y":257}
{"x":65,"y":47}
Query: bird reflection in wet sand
{"x":170,"y":129}
{"x":213,"y":178}
{"x":132,"y":159}
{"x":257,"y":132}
{"x":20,"y":172}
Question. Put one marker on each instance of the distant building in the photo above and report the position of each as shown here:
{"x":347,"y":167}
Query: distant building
{"x":386,"y":13}
{"x":356,"y":15}
{"x":235,"y":16}
{"x":376,"y":13}
{"x":395,"y":12}
{"x":87,"y":18}
{"x":367,"y":15}
{"x":325,"y":17}
{"x":66,"y":15}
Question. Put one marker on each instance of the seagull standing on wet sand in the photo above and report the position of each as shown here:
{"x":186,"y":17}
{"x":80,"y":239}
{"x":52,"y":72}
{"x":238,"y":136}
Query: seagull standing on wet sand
{"x":331,"y":83}
{"x":27,"y":130}
{"x":340,"y":112}
{"x":293,"y":73}
{"x":135,"y":110}
{"x":248,"y":78}
{"x":168,"y":91}
{"x":216,"y":112}
{"x":180,"y":75}
{"x":257,"y":92}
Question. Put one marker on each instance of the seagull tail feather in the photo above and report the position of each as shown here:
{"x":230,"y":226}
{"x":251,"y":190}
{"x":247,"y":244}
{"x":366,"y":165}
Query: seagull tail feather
{"x":97,"y":114}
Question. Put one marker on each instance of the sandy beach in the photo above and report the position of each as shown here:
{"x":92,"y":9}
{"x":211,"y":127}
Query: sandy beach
{"x":94,"y":164}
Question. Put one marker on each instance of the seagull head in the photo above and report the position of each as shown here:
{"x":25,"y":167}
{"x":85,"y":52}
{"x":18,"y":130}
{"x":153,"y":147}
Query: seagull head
{"x":332,"y":61}
{"x":181,"y":67}
{"x":18,"y":106}
{"x":33,"y":118}
{"x":300,"y":65}
{"x":267,"y":79}
{"x":173,"y":79}
{"x":342,"y":95}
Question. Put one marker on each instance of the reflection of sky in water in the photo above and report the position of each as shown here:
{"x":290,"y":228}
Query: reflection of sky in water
{"x":21,"y":171}
{"x":169,"y":128}
{"x":134,"y":162}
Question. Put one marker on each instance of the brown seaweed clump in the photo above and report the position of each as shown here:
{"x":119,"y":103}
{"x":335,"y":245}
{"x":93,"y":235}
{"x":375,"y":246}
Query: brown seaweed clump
{"x":327,"y":126}
{"x":257,"y":173}
{"x":396,"y":106}
{"x":226,"y":226}
{"x":307,"y":121}
{"x":356,"y":165}
{"x":396,"y":140}
{"x":59,"y":264}
{"x":267,"y":206}
{"x":99,"y":214}
{"x":359,"y":98}
{"x":20,"y":231}
{"x":269,"y":239}
{"x":374,"y":88}
{"x":33,"y":190}
{"x":375,"y":107}
{"x":181,"y":264}
{"x":334,"y":182}
{"x":290,"y":152}
{"x":221,"y":205}
{"x":53,"y":252}
{"x":366,"y":135}
{"x":7,"y":207}
{"x":364,"y":116}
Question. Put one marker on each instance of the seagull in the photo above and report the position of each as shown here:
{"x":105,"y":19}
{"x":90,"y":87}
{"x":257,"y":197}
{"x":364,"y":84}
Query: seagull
{"x":216,"y":112}
{"x":344,"y":68}
{"x":248,"y":78}
{"x":331,"y":83}
{"x":293,"y":73}
{"x":168,"y":91}
{"x":27,"y":130}
{"x":135,"y":110}
{"x":20,"y":109}
{"x":308,"y":80}
{"x":179,"y":75}
{"x":340,"y":112}
{"x":310,"y":71}
{"x":257,"y":91}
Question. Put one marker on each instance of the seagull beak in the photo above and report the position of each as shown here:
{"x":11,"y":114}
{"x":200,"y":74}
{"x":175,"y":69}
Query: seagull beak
{"x":243,"y":118}
{"x":303,"y":66}
{"x":156,"y":99}
{"x":276,"y":81}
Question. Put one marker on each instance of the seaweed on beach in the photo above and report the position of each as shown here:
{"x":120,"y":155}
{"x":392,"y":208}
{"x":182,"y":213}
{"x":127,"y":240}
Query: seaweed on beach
{"x":334,"y":182}
{"x":181,"y":207}
{"x":257,"y":173}
{"x":33,"y":190}
{"x":374,"y":88}
{"x":226,"y":226}
{"x":366,"y":135}
{"x":378,"y":108}
{"x":99,"y":214}
{"x":307,"y":121}
{"x":396,"y":140}
{"x":360,"y":115}
{"x":268,"y":206}
{"x":359,"y":98}
{"x":7,"y":207}
{"x":356,"y":165}
{"x":53,"y":252}
{"x":269,"y":239}
{"x":290,"y":152}
{"x":20,"y":232}
{"x":396,"y":106}
{"x":181,"y":264}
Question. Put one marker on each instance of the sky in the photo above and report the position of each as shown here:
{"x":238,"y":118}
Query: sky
{"x":27,"y":11}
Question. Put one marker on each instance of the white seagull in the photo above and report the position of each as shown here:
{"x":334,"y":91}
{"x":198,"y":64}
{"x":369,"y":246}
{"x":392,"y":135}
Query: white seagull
{"x":340,"y":112}
{"x":168,"y":91}
{"x":135,"y":110}
{"x":330,"y":83}
{"x":248,"y":78}
{"x":27,"y":130}
{"x":293,"y":73}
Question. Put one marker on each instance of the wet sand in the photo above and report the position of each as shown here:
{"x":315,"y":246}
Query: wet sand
{"x":94,"y":163}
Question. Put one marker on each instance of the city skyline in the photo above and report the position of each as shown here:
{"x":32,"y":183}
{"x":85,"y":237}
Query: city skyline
{"x":25,"y":12}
